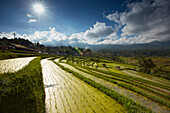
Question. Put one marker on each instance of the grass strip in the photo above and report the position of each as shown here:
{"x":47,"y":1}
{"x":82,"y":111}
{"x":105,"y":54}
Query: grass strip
{"x":23,"y":91}
{"x":4,"y":56}
{"x":131,"y":78}
{"x":127,"y":87}
{"x":120,"y":79}
{"x":60,"y":59}
{"x":129,"y":104}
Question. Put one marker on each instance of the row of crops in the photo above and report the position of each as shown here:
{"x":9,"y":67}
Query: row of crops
{"x":77,"y":85}
{"x":66,"y":93}
{"x":151,"y":94}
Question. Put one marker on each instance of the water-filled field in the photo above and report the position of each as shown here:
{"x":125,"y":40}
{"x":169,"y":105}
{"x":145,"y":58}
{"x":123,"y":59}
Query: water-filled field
{"x":13,"y":65}
{"x":66,"y":93}
{"x":74,"y":87}
{"x":128,"y":93}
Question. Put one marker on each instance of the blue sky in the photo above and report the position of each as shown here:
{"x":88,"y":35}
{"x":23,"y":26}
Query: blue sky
{"x":73,"y":15}
{"x":87,"y":21}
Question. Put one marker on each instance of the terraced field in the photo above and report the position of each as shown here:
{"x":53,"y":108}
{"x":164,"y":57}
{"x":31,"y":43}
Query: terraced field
{"x":72,"y":88}
{"x":150,"y":97}
{"x":147,"y":77}
{"x":13,"y":65}
{"x":22,"y":91}
{"x":66,"y":93}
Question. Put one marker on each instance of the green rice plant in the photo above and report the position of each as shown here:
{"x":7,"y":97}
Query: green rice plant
{"x":14,"y":55}
{"x":124,"y":76}
{"x":129,"y":104}
{"x":26,"y":90}
{"x":62,"y":58}
{"x":123,"y":80}
{"x":166,"y":103}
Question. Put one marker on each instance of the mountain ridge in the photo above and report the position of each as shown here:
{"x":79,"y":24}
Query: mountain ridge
{"x":164,"y":45}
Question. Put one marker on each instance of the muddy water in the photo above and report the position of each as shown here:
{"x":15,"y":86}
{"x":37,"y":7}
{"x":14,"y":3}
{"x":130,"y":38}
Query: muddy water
{"x":67,"y":94}
{"x":155,"y":107}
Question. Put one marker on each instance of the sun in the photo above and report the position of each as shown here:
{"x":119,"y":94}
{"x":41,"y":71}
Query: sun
{"x":39,"y":8}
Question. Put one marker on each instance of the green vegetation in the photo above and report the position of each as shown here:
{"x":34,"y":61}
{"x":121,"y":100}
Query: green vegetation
{"x":21,"y":51}
{"x":74,"y":95}
{"x":161,"y":68}
{"x":129,"y":104}
{"x":124,"y":76}
{"x":20,"y":54}
{"x":156,"y":67}
{"x":60,"y":59}
{"x":146,"y":65}
{"x":14,"y":55}
{"x":23,"y":91}
{"x":135,"y":52}
{"x":19,"y":44}
{"x":130,"y":87}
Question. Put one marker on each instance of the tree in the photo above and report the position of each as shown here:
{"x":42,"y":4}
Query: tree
{"x":146,"y":65}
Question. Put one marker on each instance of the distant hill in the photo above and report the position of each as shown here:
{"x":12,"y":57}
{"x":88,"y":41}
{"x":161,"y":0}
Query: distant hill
{"x":20,"y":44}
{"x":148,"y":46}
{"x":156,"y":45}
{"x":161,"y":49}
{"x":155,"y":48}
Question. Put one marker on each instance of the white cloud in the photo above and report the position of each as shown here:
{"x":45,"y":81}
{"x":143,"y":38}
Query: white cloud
{"x":50,"y":37}
{"x":114,"y":17}
{"x":32,"y":20}
{"x":10,"y":35}
{"x":92,"y":36}
{"x":29,"y":15}
{"x":141,"y":22}
{"x":99,"y":30}
{"x":56,"y":35}
{"x":144,"y":21}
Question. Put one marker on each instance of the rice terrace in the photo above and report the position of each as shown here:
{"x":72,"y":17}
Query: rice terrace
{"x":85,"y":56}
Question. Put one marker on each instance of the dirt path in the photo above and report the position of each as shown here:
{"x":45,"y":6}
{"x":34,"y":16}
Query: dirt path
{"x":132,"y":95}
{"x":66,"y":93}
{"x":13,"y":65}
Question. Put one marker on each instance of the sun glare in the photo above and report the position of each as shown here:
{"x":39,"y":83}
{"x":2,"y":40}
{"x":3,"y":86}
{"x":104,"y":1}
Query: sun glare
{"x":38,"y":8}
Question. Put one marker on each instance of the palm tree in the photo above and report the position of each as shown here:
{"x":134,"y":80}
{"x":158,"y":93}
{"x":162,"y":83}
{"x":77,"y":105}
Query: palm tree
{"x":146,"y":65}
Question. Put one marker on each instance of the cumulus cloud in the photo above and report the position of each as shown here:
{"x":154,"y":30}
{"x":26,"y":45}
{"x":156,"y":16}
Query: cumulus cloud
{"x":96,"y":35}
{"x":10,"y":35}
{"x":141,"y":22}
{"x":54,"y":38}
{"x":56,"y":35}
{"x":50,"y":37}
{"x":99,"y":30}
{"x":114,"y":17}
{"x":92,"y":36}
{"x":144,"y":21}
{"x":32,"y":20}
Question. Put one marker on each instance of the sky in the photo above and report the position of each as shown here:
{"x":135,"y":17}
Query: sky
{"x":94,"y":22}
